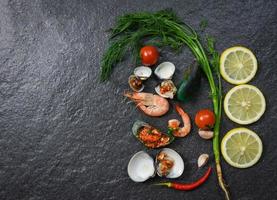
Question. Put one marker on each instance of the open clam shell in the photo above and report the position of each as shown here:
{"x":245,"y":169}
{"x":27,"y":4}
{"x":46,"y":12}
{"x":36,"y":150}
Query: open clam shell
{"x":165,"y":70}
{"x":141,"y":167}
{"x":151,"y":137}
{"x":169,"y":94}
{"x":135,"y":83}
{"x":143,"y":72}
{"x":178,"y":164}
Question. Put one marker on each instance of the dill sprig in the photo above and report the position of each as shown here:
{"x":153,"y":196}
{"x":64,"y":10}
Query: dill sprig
{"x":165,"y":28}
{"x":132,"y":30}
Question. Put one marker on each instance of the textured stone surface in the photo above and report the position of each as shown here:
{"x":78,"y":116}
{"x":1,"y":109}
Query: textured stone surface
{"x":64,"y":135}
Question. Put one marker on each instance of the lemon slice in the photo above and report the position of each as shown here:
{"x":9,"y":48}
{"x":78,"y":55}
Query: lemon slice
{"x":244,"y":104}
{"x":241,"y":147}
{"x":238,"y":65}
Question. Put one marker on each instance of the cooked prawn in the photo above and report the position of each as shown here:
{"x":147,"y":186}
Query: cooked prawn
{"x":174,"y":124}
{"x":151,"y":104}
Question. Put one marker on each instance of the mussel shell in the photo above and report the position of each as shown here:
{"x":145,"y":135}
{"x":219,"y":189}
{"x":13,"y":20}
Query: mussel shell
{"x":140,"y":124}
{"x":141,"y":167}
{"x":178,"y":167}
{"x":137,"y":126}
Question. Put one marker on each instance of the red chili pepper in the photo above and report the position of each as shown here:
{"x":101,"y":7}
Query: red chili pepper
{"x":188,"y":186}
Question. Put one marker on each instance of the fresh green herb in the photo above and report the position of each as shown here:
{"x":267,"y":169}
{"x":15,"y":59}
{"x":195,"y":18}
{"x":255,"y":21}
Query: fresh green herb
{"x":132,"y":30}
{"x":170,"y":131}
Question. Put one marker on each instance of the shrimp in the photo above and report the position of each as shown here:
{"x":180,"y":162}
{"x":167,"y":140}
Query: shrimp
{"x":174,"y":124}
{"x":151,"y":104}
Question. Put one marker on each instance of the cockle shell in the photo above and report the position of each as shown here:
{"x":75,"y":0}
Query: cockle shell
{"x":178,"y":163}
{"x":132,"y":87}
{"x":143,"y":72}
{"x":165,"y":70}
{"x":170,"y":94}
{"x":141,"y":167}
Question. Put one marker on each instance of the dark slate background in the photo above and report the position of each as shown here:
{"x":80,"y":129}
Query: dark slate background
{"x":65,"y":135}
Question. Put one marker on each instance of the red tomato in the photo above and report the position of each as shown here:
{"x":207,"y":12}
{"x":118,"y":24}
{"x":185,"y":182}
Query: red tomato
{"x":205,"y":119}
{"x":149,"y":55}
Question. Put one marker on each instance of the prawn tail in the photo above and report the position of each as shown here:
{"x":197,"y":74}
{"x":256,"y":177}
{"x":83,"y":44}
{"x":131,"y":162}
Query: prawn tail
{"x":179,"y":110}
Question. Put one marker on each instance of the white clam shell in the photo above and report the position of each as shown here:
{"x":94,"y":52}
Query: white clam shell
{"x":141,"y":167}
{"x":143,"y":72}
{"x":178,"y":167}
{"x":169,"y":94}
{"x":165,"y":70}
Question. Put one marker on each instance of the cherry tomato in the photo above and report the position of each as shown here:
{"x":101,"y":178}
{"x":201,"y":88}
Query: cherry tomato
{"x":149,"y":55}
{"x":205,"y":119}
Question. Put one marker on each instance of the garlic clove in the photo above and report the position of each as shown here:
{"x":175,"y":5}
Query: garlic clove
{"x":206,"y":134}
{"x":202,"y":160}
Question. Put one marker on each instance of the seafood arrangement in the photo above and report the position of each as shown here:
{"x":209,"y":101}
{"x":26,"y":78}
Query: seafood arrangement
{"x":168,"y":163}
{"x":237,"y":65}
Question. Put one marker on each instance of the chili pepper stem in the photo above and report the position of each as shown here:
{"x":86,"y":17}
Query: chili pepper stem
{"x":164,"y":184}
